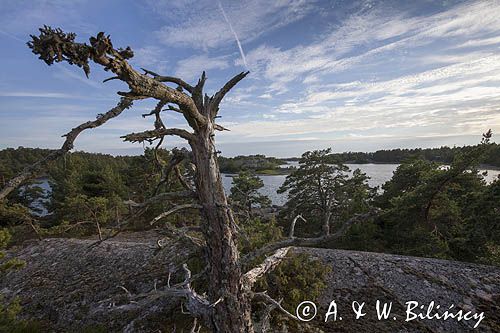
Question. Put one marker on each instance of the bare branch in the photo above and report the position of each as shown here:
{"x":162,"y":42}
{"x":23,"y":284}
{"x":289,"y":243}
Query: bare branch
{"x":178,"y":156}
{"x":182,"y":234}
{"x":171,"y":79}
{"x":265,"y":322}
{"x":195,"y":324}
{"x":217,"y":98}
{"x":292,"y":226}
{"x":196,"y":304}
{"x":33,"y":170}
{"x":266,"y":298}
{"x":308,"y":242}
{"x":30,"y":222}
{"x":132,"y":217}
{"x":197,"y":93}
{"x":173,"y":108}
{"x":156,"y":111}
{"x":53,"y":45}
{"x":220,"y":128}
{"x":182,"y":179}
{"x":152,"y":135}
{"x":147,"y":71}
{"x":162,"y":196}
{"x":175,"y":209}
{"x":111,"y":78}
{"x":250,"y":277}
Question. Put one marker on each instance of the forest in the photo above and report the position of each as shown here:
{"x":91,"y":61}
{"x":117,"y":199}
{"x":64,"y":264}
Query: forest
{"x":423,"y":210}
{"x":442,"y":155}
{"x":239,"y":272}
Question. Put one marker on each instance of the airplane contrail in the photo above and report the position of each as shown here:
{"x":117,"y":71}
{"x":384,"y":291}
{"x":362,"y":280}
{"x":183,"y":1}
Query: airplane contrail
{"x":234,"y":33}
{"x":12,"y":36}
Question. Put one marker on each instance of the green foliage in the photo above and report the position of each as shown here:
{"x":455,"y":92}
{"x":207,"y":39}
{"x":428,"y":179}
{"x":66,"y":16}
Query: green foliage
{"x":324,"y":193}
{"x":296,"y":279}
{"x":253,"y":163}
{"x":366,"y":236}
{"x":12,"y":160}
{"x":13,"y":214}
{"x":97,"y":328}
{"x":92,"y":211}
{"x":426,"y":209}
{"x":10,"y":323}
{"x":5,"y":238}
{"x":244,"y":193}
{"x":87,"y":189}
{"x":434,"y":211}
{"x":258,"y":233}
{"x":440,"y":155}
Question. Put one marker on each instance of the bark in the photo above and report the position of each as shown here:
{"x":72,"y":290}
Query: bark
{"x":233,"y":313}
{"x":309,"y":242}
{"x":35,"y":169}
{"x":227,"y":308}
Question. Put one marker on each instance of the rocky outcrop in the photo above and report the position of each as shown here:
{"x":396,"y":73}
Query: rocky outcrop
{"x":70,"y":286}
{"x":368,"y":277}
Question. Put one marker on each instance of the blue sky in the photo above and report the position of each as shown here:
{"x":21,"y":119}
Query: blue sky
{"x":352,"y":75}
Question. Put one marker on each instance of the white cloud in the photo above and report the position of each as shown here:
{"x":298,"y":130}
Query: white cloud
{"x":192,"y":67}
{"x":468,"y":24}
{"x":150,"y":57}
{"x":458,"y":99}
{"x":202,"y":26}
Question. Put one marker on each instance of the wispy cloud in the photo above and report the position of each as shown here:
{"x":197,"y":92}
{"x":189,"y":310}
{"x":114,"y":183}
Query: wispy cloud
{"x":71,"y":76}
{"x":322,"y":71}
{"x":21,"y":19}
{"x":458,"y":99}
{"x":192,"y":67}
{"x":357,"y":44}
{"x":234,"y":33}
{"x":152,"y":57}
{"x":35,"y":94}
{"x":198,"y":24}
{"x":12,"y":36}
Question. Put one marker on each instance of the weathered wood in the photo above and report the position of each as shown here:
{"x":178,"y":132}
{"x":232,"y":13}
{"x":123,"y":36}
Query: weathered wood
{"x":292,"y":226}
{"x":307,"y":242}
{"x":173,"y":210}
{"x":69,"y":286}
{"x":250,"y":277}
{"x":35,"y":169}
{"x":231,"y":311}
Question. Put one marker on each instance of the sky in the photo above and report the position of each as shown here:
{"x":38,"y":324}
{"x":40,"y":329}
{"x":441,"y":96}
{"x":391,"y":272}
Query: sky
{"x":351,"y":75}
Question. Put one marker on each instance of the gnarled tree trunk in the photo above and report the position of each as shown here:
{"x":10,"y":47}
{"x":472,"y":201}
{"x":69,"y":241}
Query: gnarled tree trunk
{"x":233,"y":312}
{"x":227,"y":309}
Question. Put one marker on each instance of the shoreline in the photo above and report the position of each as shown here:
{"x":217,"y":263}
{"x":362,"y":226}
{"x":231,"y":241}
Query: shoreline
{"x":287,"y":171}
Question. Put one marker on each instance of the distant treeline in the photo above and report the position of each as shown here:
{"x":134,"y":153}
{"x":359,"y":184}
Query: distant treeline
{"x":423,"y":210}
{"x":442,"y":155}
{"x":13,"y":160}
{"x":257,"y":163}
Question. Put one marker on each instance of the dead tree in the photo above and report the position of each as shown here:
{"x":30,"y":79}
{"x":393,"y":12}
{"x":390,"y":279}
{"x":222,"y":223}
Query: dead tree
{"x":227,"y":306}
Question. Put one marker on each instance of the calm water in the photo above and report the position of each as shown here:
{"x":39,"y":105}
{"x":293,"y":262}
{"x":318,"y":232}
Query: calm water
{"x":43,"y":183}
{"x":378,"y":173}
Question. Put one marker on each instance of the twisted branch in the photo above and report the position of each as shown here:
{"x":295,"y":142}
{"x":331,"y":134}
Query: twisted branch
{"x":155,"y":134}
{"x":33,"y":170}
{"x":308,"y":242}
